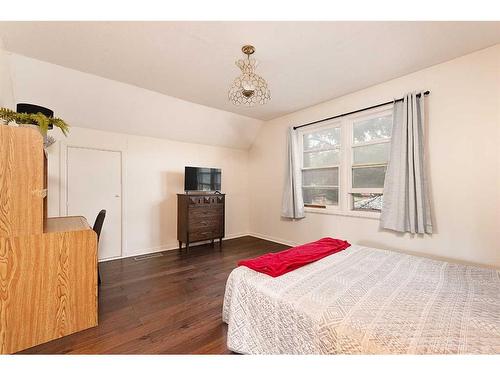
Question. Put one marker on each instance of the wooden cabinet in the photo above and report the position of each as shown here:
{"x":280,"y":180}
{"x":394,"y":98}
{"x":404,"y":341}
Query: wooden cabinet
{"x":48,"y":267}
{"x":200,"y":217}
{"x":21,"y":181}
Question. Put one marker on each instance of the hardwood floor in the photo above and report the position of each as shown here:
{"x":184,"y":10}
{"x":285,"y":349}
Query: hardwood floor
{"x":170,"y":304}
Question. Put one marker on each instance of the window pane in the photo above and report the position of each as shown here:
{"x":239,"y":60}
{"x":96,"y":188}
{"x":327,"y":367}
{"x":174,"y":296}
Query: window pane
{"x":322,"y":139}
{"x":322,"y":197}
{"x":372,"y":129}
{"x":367,"y":202}
{"x":321,"y":158}
{"x":369,"y":177}
{"x":320,"y":177}
{"x":378,"y":153}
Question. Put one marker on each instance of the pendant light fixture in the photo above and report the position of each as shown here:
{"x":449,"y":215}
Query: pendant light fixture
{"x":248,"y":89}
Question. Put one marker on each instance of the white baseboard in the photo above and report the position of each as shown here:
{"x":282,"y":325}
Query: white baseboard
{"x":272,"y":239}
{"x":166,"y":247}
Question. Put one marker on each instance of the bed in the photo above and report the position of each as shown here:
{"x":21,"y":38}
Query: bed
{"x":365,"y":301}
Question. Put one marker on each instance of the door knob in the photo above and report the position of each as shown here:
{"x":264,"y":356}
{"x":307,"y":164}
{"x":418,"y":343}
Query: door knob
{"x":117,"y":195}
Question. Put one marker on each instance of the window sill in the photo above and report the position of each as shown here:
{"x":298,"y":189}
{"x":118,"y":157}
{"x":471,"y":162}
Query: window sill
{"x":326,"y":211}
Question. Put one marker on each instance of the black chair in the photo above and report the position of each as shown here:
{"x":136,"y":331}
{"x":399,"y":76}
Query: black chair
{"x":99,"y":221}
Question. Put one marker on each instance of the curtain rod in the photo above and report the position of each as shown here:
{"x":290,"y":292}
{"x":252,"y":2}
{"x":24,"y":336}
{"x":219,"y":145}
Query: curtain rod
{"x":352,"y":112}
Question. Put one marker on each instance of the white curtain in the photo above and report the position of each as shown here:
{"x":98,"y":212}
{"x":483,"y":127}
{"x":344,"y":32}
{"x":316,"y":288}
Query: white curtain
{"x":406,"y":201}
{"x":6,"y":92}
{"x":293,"y":203}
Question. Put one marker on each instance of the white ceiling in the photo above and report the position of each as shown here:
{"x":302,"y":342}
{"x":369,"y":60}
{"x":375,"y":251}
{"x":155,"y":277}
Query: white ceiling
{"x":305,"y":63}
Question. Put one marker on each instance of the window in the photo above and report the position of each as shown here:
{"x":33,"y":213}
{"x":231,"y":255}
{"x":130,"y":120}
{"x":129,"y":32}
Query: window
{"x":320,"y":166}
{"x":370,"y":147}
{"x":344,"y":163}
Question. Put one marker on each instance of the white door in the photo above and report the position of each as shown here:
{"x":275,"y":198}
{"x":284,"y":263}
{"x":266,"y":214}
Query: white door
{"x":94,"y":183}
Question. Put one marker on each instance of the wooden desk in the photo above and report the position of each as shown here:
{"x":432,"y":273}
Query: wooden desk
{"x":48,"y":274}
{"x":65,"y":224}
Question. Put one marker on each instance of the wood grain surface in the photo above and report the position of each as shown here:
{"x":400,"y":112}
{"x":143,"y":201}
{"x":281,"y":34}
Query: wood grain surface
{"x":48,"y":287}
{"x":48,"y":281}
{"x":21,"y":181}
{"x":66,"y":224}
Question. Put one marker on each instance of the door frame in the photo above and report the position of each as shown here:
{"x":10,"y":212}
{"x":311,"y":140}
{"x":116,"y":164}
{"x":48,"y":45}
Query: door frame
{"x":63,"y":187}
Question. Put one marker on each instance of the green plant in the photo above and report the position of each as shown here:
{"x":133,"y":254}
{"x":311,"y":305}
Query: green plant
{"x":39,"y":119}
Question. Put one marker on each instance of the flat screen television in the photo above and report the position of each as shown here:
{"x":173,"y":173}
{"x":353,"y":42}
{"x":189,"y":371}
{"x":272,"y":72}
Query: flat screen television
{"x":202,"y":179}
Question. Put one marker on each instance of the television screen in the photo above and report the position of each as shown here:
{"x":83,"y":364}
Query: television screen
{"x":202,"y":179}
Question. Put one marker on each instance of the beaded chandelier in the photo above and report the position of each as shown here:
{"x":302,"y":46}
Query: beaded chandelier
{"x":249,"y":88}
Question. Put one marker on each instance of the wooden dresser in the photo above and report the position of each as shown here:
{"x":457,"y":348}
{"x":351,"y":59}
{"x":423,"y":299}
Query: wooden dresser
{"x":200,"y":217}
{"x":48,"y":266}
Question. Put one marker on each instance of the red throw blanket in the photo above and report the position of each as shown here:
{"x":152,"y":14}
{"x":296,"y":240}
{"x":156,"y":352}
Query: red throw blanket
{"x":277,"y":264}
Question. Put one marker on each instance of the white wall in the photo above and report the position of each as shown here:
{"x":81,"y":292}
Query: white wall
{"x":464,"y":163}
{"x":6,"y":90}
{"x":153,"y":175}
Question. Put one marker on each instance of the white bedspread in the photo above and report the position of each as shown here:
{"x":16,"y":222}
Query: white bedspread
{"x":364,"y":300}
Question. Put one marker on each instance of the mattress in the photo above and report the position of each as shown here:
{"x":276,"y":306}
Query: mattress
{"x":365,"y":301}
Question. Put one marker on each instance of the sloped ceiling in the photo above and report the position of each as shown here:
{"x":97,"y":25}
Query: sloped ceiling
{"x":89,"y":101}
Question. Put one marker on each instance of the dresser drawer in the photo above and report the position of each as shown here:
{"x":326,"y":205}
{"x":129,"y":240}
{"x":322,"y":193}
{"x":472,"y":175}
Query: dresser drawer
{"x":202,"y":201}
{"x":202,"y":225}
{"x":195,"y":201}
{"x":204,"y":212}
{"x":204,"y":235}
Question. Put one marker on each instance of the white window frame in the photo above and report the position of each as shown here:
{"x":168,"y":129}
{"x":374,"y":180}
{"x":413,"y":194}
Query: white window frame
{"x":346,"y":123}
{"x":314,"y":129}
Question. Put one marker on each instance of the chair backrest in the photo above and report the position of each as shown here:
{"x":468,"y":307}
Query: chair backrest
{"x":99,"y":220}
